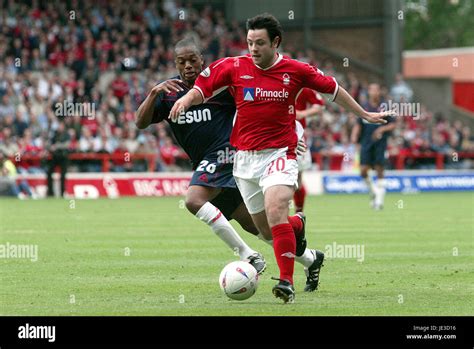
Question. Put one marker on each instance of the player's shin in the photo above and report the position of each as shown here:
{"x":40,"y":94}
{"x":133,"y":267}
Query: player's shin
{"x":284,"y":246}
{"x":370,"y":184}
{"x":306,"y":259}
{"x":296,"y":224}
{"x":380,"y":192}
{"x":213,"y":217}
{"x":299,"y":198}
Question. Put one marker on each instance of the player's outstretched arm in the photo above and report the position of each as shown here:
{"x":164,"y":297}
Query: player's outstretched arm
{"x":344,"y":99}
{"x":193,"y":97}
{"x":144,"y":114}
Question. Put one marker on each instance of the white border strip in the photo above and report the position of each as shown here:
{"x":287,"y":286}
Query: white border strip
{"x":438,"y":52}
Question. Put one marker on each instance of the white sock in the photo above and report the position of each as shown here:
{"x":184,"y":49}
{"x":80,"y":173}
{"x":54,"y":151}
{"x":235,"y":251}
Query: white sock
{"x":214,"y":218}
{"x":370,"y":184}
{"x":380,"y":185}
{"x":306,"y":259}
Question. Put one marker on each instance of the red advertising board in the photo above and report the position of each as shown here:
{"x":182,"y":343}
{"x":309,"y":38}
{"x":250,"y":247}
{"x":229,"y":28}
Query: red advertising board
{"x":91,"y":186}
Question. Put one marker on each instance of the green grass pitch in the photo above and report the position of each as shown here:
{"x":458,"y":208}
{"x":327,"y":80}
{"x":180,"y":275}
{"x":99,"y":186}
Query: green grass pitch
{"x":149,"y":256}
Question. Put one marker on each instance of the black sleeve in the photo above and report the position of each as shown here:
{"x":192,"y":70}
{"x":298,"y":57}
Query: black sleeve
{"x":161,"y":110}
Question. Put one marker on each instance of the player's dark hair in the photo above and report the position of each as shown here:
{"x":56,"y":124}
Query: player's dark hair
{"x":187,"y":42}
{"x":268,"y":22}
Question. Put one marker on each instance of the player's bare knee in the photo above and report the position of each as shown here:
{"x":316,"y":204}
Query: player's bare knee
{"x":194,"y":204}
{"x":276,"y":214}
{"x":379,"y":170}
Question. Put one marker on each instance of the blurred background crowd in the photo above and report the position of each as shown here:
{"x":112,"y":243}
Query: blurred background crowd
{"x":110,"y":55}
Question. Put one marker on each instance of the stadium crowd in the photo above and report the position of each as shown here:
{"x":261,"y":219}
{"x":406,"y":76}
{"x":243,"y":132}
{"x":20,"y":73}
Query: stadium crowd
{"x":109,"y":55}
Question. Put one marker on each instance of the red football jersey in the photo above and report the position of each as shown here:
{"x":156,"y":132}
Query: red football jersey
{"x":305,"y":100}
{"x":265,"y":98}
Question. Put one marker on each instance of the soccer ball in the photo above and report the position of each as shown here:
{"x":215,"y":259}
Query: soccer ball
{"x":238,"y":280}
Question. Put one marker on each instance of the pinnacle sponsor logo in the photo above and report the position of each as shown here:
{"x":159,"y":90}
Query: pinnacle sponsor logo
{"x":251,"y":93}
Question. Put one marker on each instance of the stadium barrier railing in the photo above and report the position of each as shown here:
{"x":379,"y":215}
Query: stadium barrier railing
{"x":334,"y":159}
{"x":399,"y":161}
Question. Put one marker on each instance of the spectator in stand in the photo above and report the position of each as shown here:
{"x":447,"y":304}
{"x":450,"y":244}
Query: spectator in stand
{"x":169,"y":153}
{"x":467,"y":143}
{"x":6,"y":107}
{"x":400,"y":91}
{"x":95,"y":60}
{"x":27,"y":147}
{"x":8,"y":180}
{"x":58,"y":147}
{"x":121,"y":159}
{"x":131,"y":142}
{"x":119,"y":87}
{"x":8,"y":143}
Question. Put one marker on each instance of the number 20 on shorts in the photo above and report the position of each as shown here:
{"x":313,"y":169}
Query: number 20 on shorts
{"x":277,"y":165}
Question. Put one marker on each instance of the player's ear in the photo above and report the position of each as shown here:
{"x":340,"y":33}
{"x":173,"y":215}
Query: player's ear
{"x":276,"y":42}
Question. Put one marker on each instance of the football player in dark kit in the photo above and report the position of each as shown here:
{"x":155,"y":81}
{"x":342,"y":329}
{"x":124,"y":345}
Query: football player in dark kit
{"x":204,"y":133}
{"x":373,"y":144}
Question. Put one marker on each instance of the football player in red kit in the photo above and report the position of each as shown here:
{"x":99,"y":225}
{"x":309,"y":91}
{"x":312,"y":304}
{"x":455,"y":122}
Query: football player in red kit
{"x":265,"y":85}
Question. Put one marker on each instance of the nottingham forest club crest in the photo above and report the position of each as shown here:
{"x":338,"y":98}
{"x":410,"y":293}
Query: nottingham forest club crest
{"x":286,"y":79}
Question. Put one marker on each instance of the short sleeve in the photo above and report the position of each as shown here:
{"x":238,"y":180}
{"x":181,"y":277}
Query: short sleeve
{"x":315,"y":79}
{"x":215,"y":78}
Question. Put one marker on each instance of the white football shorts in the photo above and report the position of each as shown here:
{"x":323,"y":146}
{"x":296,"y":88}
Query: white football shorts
{"x":256,"y":171}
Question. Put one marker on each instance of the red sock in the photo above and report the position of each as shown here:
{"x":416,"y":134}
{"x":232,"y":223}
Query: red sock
{"x":296,"y":224}
{"x":299,"y":197}
{"x":284,"y":246}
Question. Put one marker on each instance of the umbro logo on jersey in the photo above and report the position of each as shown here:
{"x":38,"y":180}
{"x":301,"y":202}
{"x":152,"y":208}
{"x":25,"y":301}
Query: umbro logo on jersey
{"x":246,"y":77}
{"x":249,"y":94}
